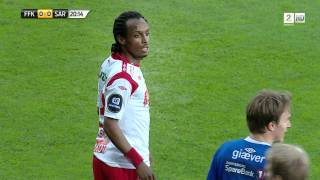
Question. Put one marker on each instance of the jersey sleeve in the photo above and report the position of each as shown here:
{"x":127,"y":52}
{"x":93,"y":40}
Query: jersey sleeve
{"x":215,"y":171}
{"x":212,"y":170}
{"x":116,"y":98}
{"x":101,"y":84}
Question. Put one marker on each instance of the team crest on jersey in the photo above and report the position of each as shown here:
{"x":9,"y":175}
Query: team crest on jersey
{"x":114,"y":103}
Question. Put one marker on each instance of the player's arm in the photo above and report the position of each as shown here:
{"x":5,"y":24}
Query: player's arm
{"x":116,"y":101}
{"x":115,"y":134}
{"x":119,"y":140}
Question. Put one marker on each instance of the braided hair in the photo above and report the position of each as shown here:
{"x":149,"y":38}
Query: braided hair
{"x":120,"y":27}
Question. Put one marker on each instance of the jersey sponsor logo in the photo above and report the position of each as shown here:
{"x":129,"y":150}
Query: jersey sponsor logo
{"x":238,"y":168}
{"x":114,"y":103}
{"x":247,"y":154}
{"x":242,"y":171}
{"x":103,"y":76}
{"x":100,"y":146}
{"x":101,"y":141}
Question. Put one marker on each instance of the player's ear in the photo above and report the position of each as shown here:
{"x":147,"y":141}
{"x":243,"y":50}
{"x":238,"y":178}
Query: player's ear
{"x":121,"y":40}
{"x":271,"y":126}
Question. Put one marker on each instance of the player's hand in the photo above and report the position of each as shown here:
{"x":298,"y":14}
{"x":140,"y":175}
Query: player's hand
{"x":144,"y":172}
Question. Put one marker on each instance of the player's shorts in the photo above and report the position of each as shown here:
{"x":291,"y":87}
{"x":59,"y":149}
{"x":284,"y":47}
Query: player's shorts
{"x":101,"y":171}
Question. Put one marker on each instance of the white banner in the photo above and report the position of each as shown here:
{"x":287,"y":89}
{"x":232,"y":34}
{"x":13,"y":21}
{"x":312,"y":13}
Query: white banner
{"x":77,"y":13}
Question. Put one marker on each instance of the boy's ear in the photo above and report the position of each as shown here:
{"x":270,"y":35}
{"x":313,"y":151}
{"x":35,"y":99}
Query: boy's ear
{"x":271,"y":126}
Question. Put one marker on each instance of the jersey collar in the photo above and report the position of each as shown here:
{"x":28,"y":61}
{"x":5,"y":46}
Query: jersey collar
{"x":249,"y":139}
{"x":116,"y":55}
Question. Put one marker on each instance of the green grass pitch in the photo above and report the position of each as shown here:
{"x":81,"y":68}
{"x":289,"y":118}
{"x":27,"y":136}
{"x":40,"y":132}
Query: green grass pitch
{"x":207,"y":59}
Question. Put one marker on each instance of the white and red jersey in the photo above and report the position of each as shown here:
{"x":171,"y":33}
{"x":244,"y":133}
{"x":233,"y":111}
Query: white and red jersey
{"x":122,"y":95}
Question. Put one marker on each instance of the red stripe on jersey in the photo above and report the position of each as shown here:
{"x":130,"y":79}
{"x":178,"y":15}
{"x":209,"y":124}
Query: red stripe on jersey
{"x":123,"y":58}
{"x":103,"y":104}
{"x":124,"y":75}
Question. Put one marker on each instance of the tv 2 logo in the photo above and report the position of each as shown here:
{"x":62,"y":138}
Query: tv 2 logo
{"x":293,"y":18}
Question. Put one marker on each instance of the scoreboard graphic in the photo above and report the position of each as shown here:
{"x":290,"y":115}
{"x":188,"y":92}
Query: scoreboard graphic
{"x":54,"y":13}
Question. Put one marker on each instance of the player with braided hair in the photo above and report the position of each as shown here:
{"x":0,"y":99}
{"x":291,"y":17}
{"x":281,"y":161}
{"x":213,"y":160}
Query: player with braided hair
{"x":122,"y":144}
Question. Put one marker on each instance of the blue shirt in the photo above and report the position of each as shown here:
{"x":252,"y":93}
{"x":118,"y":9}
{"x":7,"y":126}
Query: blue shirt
{"x":242,"y":159}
